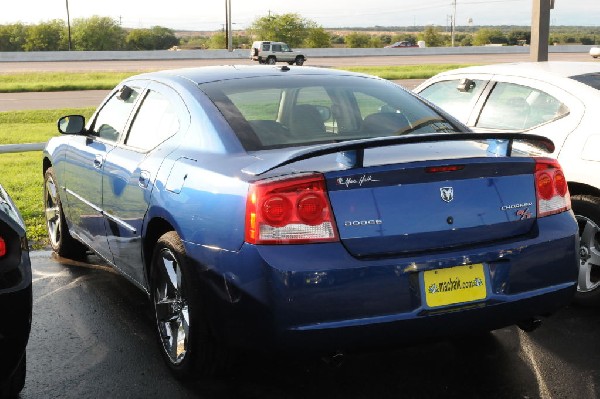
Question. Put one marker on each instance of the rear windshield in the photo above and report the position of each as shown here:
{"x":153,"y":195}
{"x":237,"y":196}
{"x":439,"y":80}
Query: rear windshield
{"x":590,"y":79}
{"x":286,"y":111}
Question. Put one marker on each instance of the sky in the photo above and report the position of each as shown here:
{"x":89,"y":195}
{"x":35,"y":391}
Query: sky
{"x":197,"y":15}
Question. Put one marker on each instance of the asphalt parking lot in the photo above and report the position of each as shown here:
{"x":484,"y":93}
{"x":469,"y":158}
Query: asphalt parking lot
{"x":93,"y":337}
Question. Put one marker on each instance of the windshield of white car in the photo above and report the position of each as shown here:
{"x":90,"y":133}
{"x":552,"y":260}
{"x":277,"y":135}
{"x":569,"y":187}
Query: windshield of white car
{"x":295,"y":110}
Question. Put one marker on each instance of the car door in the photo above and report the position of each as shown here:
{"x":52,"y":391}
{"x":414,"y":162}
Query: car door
{"x":84,"y":166}
{"x":130,"y":171}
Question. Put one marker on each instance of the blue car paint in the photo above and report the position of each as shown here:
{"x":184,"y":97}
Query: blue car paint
{"x":264,"y":292}
{"x":322,"y":287}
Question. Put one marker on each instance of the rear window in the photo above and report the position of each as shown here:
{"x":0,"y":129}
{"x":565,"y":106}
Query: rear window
{"x":286,"y":111}
{"x":590,"y":79}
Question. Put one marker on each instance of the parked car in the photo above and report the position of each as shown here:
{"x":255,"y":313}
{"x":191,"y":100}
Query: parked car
{"x":15,"y":298}
{"x":266,"y":52}
{"x":553,"y":99}
{"x":307,"y":210}
{"x":595,"y":52}
{"x":402,"y":45}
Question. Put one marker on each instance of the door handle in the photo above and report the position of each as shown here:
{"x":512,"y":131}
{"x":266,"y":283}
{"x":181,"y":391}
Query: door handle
{"x":144,"y":179}
{"x":98,"y":161}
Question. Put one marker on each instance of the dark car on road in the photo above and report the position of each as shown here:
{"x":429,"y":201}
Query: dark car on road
{"x":15,"y":298}
{"x":402,"y":44}
{"x":308,"y":210}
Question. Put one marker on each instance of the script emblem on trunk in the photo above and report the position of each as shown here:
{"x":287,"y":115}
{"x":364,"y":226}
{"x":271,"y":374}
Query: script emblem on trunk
{"x":447,"y":193}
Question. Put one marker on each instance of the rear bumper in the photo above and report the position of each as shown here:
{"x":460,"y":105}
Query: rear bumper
{"x":318,"y":297}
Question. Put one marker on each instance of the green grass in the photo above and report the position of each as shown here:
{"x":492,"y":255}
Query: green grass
{"x":405,"y":71}
{"x":71,"y":81}
{"x":22,"y":172}
{"x":60,"y":81}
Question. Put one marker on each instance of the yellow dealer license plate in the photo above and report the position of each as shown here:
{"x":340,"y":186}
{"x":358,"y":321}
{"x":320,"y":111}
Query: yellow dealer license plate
{"x":457,"y":284}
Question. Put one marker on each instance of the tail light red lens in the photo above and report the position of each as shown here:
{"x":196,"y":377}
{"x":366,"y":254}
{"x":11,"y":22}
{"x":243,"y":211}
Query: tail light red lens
{"x":551,"y":187}
{"x":290,"y":210}
{"x":2,"y":247}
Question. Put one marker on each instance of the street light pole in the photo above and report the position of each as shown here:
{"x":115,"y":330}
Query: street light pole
{"x":453,"y":23}
{"x":68,"y":23}
{"x":229,"y":33}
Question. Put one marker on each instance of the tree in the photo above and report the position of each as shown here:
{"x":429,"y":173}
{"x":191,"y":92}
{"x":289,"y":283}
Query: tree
{"x":13,"y":37}
{"x":97,"y":34}
{"x":289,"y":28}
{"x":217,"y":41}
{"x":488,"y":36}
{"x":317,"y":37}
{"x":432,"y":37}
{"x":516,"y":37}
{"x":358,"y":40}
{"x":47,"y":36}
{"x":156,"y":38}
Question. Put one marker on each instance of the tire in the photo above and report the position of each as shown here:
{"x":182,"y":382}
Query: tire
{"x":271,"y":60}
{"x":14,"y":385}
{"x":587,"y":213}
{"x":186,"y":343}
{"x":60,"y":239}
{"x":299,"y":61}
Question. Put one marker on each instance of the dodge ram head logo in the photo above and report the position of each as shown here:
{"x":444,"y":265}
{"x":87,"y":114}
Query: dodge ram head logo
{"x":447,"y":193}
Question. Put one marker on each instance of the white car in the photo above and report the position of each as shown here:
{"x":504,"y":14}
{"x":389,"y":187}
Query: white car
{"x":559,"y":100}
{"x":595,"y":52}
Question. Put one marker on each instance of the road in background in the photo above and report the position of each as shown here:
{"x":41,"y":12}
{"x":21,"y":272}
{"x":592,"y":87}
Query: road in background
{"x":91,"y":98}
{"x":93,"y":337}
{"x":147,"y":65}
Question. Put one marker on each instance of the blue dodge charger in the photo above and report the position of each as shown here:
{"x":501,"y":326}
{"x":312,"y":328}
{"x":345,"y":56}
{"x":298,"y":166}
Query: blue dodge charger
{"x":308,"y":210}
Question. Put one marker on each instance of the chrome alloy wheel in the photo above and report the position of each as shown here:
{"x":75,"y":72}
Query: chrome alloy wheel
{"x":171,"y":307}
{"x":589,"y":252}
{"x":52,"y":211}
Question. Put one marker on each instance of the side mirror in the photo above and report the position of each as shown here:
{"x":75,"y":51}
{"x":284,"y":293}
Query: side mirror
{"x":465,"y":85}
{"x":71,"y":124}
{"x":324,"y":112}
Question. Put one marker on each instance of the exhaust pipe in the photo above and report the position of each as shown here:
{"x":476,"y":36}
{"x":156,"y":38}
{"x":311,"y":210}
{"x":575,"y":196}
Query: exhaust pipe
{"x":530,"y":325}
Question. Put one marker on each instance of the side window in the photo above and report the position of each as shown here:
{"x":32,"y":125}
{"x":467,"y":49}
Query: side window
{"x":458,"y":103}
{"x":111,"y":119}
{"x":265,"y":47}
{"x":156,"y":121}
{"x":516,"y":107}
{"x":277,"y":47}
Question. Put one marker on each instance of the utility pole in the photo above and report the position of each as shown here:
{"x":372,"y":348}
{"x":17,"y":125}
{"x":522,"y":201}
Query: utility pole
{"x":540,"y":29}
{"x":68,"y":23}
{"x":228,"y":33}
{"x":453,"y":23}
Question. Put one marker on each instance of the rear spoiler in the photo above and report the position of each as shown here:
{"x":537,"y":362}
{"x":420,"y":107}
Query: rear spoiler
{"x":500,"y":144}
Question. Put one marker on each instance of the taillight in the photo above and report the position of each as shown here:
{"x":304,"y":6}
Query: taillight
{"x":2,"y":247}
{"x":551,"y":187}
{"x":288,"y":211}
